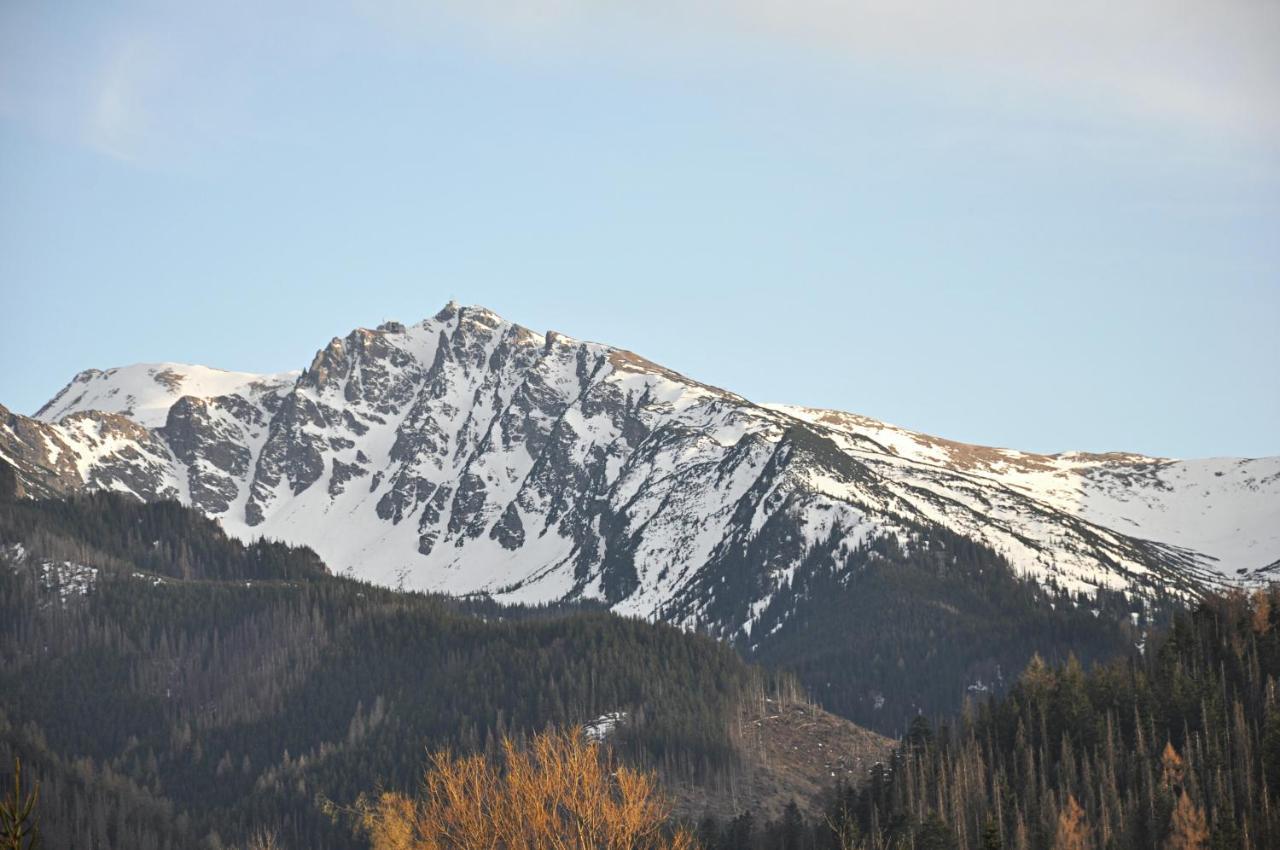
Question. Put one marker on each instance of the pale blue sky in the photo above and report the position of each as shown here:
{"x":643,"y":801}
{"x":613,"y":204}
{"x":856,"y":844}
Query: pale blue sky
{"x":1055,"y":228}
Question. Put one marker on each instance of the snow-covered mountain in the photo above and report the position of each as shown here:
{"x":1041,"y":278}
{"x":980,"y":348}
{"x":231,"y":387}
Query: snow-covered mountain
{"x":144,"y":392}
{"x":466,"y":453}
{"x":1226,"y":510}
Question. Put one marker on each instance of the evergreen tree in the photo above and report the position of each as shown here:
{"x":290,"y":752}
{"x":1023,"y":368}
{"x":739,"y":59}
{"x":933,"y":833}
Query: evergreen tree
{"x":1071,"y":832}
{"x":934,"y":834}
{"x":1187,"y":829}
{"x":991,"y":838}
{"x":18,"y":827}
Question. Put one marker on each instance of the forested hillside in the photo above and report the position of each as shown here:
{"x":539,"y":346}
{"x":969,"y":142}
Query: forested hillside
{"x":171,"y":688}
{"x":891,"y":629}
{"x":1178,"y":749}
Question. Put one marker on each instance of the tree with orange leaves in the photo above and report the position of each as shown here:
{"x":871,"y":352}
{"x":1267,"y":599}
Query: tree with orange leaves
{"x":559,"y":793}
{"x":1261,"y":618}
{"x":1187,"y":827}
{"x":1072,"y":832}
{"x":1172,"y":769}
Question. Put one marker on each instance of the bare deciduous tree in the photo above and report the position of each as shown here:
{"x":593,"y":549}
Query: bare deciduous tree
{"x":559,"y":793}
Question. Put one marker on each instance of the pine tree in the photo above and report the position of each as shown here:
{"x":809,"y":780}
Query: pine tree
{"x":1071,"y":833}
{"x":1261,"y":619}
{"x":792,"y":827}
{"x":18,"y":829}
{"x":991,"y":838}
{"x":1172,"y":770}
{"x":741,"y":831}
{"x":934,"y":834}
{"x":1187,"y":828}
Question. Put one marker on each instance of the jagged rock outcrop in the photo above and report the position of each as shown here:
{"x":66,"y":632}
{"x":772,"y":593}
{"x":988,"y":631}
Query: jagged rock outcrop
{"x":466,"y":454}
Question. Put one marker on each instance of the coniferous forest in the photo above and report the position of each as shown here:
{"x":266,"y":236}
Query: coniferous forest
{"x":1176,"y":749}
{"x":169,"y":687}
{"x":887,"y":632}
{"x":193,"y":689}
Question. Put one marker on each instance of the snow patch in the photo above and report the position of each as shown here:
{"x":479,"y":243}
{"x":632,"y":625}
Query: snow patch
{"x":603,"y":726}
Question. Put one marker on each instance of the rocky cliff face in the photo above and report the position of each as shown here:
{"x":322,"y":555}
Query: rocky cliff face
{"x":467,"y":454}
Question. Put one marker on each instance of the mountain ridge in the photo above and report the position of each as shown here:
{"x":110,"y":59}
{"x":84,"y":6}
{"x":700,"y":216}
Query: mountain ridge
{"x":468,"y":454}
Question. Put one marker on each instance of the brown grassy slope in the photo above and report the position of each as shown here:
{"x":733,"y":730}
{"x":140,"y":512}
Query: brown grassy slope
{"x":792,"y":751}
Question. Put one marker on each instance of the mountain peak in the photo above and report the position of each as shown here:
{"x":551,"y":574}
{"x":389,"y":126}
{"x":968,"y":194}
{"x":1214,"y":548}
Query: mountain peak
{"x":448,"y":312}
{"x":466,"y":454}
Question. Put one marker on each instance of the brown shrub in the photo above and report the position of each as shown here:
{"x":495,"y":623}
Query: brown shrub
{"x":559,"y":793}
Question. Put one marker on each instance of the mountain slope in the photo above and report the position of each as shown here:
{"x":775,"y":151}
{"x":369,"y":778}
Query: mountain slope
{"x":1222,"y":508}
{"x":469,"y":454}
{"x":166,"y":684}
{"x":144,"y":392}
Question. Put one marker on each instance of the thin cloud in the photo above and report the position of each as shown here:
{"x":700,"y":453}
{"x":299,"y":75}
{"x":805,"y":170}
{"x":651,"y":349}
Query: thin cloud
{"x":155,"y":88}
{"x":141,"y":86}
{"x":117,"y":122}
{"x":1209,"y":65}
